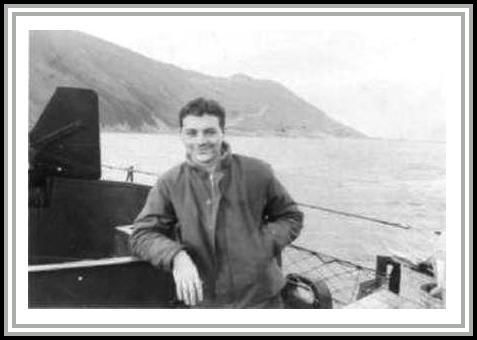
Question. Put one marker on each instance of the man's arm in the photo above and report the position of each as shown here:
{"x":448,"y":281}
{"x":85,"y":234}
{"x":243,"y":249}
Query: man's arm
{"x":284,"y":220}
{"x":151,"y":239}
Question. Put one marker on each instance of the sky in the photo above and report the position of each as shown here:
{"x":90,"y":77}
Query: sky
{"x":390,"y":77}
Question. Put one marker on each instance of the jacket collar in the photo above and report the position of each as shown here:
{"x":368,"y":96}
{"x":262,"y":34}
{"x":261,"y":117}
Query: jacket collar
{"x":224,"y":160}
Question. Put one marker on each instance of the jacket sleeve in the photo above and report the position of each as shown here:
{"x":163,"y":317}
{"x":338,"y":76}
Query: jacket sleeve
{"x":283,"y":219}
{"x":151,"y":239}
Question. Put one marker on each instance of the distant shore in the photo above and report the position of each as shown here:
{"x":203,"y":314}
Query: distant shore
{"x":235,"y":132}
{"x":241,"y":133}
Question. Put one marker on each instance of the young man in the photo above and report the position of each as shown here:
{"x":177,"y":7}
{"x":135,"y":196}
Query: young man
{"x":219,"y":220}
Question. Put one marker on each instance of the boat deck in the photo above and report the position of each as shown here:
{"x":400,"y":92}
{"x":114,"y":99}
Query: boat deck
{"x":385,"y":299}
{"x":345,"y":281}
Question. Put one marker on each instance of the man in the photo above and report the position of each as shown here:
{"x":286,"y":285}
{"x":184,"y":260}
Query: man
{"x":219,"y":220}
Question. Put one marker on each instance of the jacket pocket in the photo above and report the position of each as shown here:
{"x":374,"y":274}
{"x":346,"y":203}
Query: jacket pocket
{"x":269,"y":244}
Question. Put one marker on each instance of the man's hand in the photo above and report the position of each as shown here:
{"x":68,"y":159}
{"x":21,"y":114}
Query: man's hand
{"x":186,"y":277}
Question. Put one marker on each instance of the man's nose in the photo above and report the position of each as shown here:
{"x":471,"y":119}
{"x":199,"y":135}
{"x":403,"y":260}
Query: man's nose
{"x":201,"y":138}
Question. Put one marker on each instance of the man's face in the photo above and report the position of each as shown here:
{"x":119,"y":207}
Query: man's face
{"x":202,"y":137}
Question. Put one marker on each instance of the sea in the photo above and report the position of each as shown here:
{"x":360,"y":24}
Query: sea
{"x":398,"y":182}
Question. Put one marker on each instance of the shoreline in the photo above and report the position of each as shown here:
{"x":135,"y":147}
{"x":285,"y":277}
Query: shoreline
{"x":234,"y":133}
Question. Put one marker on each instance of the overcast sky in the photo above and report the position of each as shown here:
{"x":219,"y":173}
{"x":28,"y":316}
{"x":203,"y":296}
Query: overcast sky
{"x":393,"y":77}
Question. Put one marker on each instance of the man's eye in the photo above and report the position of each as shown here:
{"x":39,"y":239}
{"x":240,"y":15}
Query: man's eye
{"x":210,"y":132}
{"x":191,"y":133}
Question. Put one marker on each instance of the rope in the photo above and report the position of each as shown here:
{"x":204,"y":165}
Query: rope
{"x":344,"y":213}
{"x":130,"y":170}
{"x":319,"y":256}
{"x":367,"y":218}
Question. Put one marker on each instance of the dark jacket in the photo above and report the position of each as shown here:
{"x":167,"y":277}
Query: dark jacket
{"x":233,"y":226}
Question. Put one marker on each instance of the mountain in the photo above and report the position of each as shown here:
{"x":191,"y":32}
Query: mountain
{"x":137,"y":93}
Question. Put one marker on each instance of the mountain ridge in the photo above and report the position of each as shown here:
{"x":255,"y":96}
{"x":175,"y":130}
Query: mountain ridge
{"x":138,"y":93}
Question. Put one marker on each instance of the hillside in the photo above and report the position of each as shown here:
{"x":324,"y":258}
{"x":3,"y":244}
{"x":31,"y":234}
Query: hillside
{"x":141,"y":94}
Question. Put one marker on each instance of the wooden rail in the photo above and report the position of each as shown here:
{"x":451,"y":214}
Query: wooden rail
{"x":83,"y":264}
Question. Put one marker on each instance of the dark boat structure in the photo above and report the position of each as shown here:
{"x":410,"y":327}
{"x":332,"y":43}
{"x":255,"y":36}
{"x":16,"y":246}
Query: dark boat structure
{"x":79,"y":226}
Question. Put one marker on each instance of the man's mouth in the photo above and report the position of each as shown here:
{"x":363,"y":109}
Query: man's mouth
{"x":204,"y":150}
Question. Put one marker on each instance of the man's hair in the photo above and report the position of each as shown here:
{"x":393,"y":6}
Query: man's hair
{"x":201,"y":106}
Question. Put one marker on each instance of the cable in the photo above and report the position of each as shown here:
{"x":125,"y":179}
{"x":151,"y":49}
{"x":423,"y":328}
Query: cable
{"x":372,"y":219}
{"x":131,"y":170}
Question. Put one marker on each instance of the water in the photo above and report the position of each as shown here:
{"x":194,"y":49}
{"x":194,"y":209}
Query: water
{"x":397,"y":181}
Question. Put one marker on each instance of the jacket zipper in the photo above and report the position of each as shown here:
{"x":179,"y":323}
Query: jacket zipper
{"x":212,"y":186}
{"x":226,"y":252}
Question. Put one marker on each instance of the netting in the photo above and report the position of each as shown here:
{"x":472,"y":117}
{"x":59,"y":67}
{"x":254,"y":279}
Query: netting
{"x":342,"y":278}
